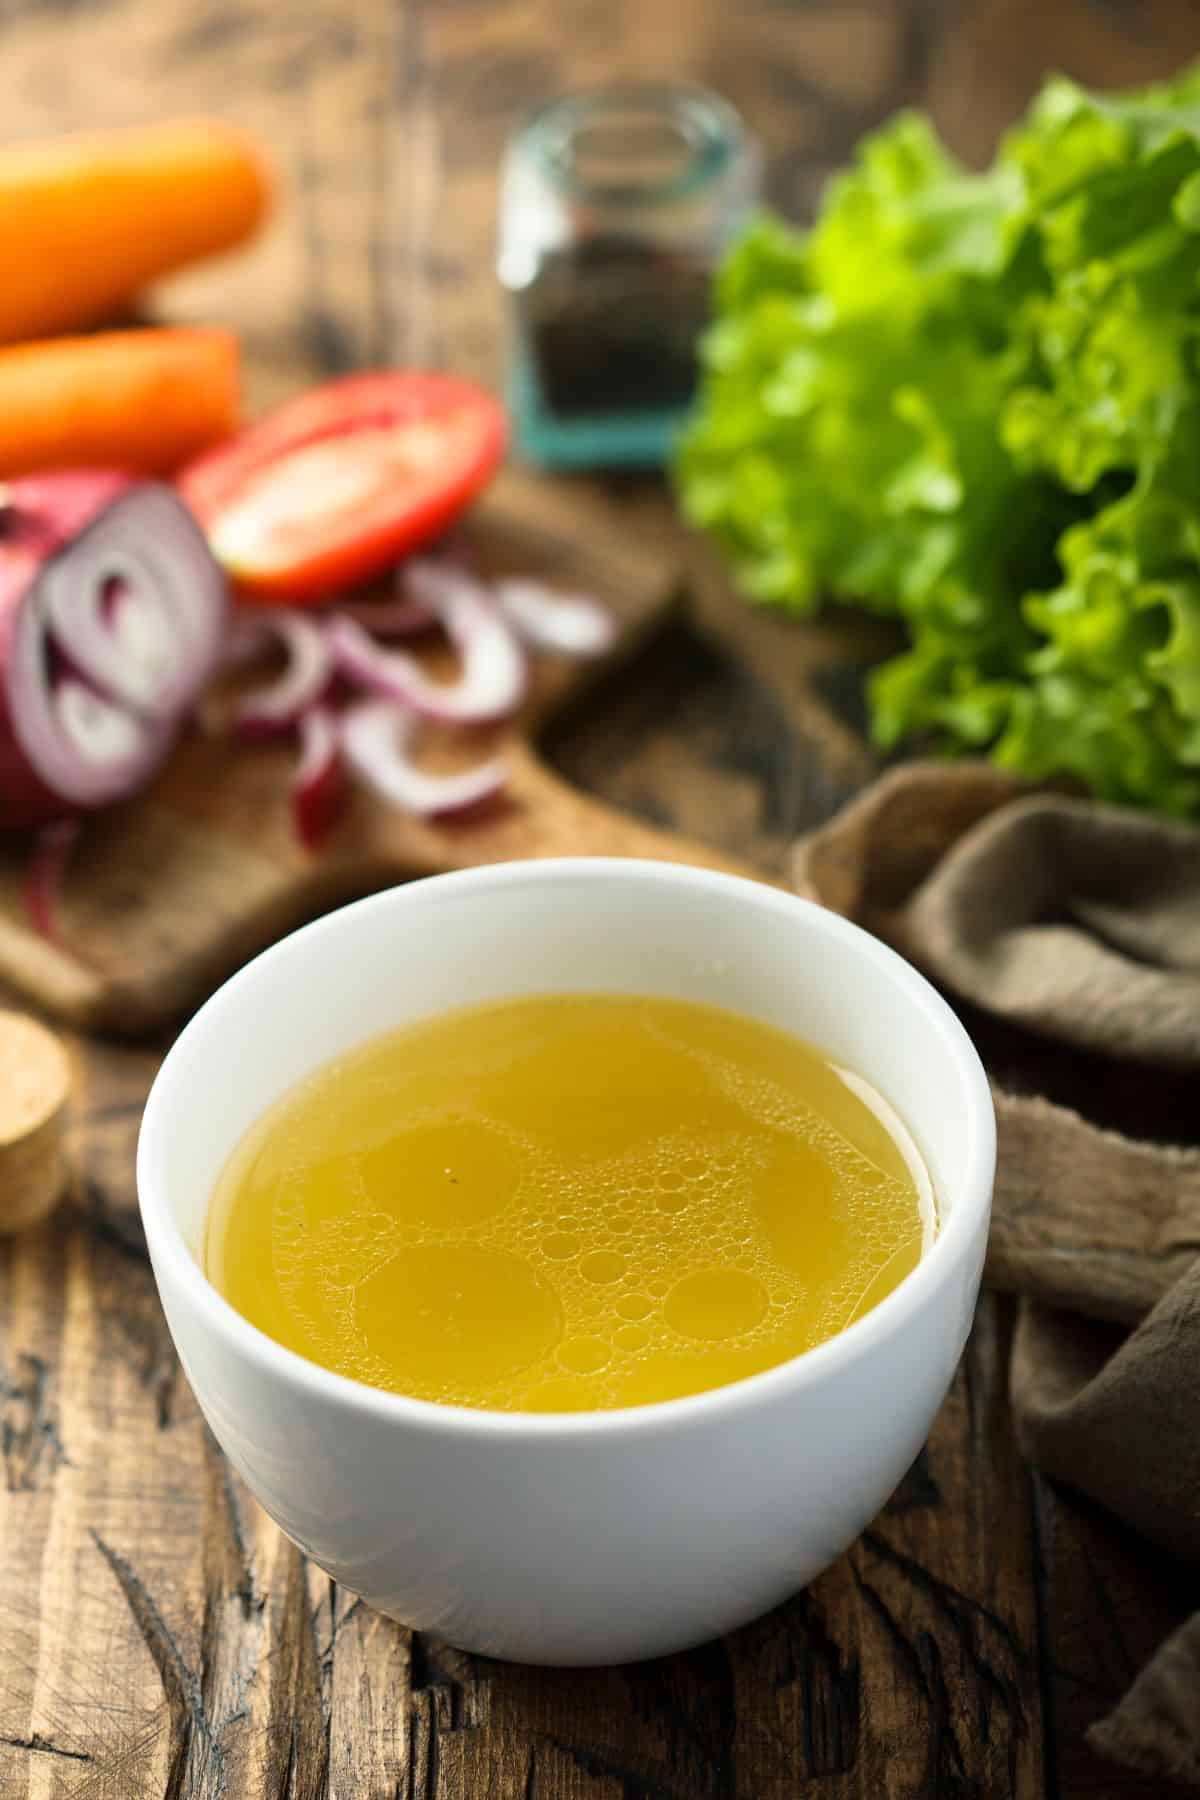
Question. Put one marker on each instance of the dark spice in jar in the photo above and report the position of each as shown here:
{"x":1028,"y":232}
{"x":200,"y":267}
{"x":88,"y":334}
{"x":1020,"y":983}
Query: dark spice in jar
{"x":611,"y":325}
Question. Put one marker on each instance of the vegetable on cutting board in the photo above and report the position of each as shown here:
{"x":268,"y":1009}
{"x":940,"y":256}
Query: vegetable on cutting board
{"x":332,"y":659}
{"x":111,"y":616}
{"x":35,"y":1083}
{"x":89,"y":219}
{"x":973,"y":401}
{"x":335,"y":486}
{"x":143,"y":401}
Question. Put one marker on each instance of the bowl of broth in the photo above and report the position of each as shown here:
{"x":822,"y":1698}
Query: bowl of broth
{"x":571,"y":1256}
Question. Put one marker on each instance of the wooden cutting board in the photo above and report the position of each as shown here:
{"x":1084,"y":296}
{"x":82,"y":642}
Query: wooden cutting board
{"x":165,"y":896}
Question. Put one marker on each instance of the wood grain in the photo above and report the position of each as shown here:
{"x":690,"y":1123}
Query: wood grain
{"x":158,"y":1635}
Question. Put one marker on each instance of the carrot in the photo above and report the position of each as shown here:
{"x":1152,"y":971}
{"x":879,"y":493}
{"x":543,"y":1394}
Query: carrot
{"x":88,"y":219}
{"x":144,"y":401}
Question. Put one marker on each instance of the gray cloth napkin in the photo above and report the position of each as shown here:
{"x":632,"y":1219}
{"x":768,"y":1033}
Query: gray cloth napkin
{"x":1079,"y":924}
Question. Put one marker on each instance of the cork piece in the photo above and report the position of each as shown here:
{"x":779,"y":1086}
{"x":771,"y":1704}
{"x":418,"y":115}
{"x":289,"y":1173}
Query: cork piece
{"x":35,"y":1080}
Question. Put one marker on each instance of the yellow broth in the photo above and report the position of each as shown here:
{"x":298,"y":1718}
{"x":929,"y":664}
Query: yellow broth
{"x":566,"y":1202}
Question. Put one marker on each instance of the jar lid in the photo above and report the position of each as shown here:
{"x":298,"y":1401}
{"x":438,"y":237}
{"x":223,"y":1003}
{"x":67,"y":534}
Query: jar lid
{"x":672,"y":164}
{"x":635,"y":144}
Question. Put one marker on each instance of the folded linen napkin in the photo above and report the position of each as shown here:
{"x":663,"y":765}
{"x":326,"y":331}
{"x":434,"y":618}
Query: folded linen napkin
{"x":1079,"y":924}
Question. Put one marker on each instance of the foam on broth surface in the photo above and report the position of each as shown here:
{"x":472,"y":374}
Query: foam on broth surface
{"x":566,"y":1202}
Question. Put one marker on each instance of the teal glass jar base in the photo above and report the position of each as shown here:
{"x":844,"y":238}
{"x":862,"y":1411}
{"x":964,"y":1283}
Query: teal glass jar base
{"x":604,"y":441}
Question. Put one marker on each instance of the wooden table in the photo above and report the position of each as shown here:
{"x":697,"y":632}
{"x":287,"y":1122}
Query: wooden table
{"x":158,"y":1636}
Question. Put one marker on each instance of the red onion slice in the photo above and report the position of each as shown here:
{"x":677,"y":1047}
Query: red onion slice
{"x":396,"y":618}
{"x":111,"y":613}
{"x":282,"y":702}
{"x":247,"y":637}
{"x":44,"y":874}
{"x":376,"y":741}
{"x":492,"y":682}
{"x":317,"y":781}
{"x":563,"y":624}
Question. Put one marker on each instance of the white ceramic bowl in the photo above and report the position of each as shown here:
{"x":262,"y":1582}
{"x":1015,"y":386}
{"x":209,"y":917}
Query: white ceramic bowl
{"x":593,"y":1537}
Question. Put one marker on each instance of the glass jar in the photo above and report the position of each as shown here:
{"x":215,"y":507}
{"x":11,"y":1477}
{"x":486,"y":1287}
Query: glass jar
{"x":616,"y":204}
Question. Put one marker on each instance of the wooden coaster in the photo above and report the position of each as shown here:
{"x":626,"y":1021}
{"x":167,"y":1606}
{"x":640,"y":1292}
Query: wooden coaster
{"x":35,"y":1081}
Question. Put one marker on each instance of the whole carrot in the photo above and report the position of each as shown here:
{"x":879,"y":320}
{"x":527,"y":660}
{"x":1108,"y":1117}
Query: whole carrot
{"x":88,"y":219}
{"x":143,"y":401}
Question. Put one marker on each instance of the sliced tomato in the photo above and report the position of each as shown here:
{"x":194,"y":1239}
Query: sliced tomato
{"x":333,"y":487}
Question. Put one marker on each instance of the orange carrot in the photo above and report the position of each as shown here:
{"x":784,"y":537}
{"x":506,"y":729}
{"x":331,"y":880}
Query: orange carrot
{"x":144,"y":401}
{"x":87,"y":220}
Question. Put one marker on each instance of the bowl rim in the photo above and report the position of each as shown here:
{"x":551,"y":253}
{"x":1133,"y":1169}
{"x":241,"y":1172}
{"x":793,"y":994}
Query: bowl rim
{"x":172,"y":1259}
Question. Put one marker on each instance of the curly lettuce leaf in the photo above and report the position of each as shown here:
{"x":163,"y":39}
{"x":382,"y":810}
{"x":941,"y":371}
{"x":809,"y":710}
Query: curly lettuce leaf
{"x":973,"y":401}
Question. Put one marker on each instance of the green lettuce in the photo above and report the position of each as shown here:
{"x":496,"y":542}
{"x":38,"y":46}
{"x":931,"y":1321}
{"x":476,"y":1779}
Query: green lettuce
{"x":973,"y":401}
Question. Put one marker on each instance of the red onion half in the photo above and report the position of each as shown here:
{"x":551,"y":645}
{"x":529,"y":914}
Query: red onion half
{"x":111,"y":615}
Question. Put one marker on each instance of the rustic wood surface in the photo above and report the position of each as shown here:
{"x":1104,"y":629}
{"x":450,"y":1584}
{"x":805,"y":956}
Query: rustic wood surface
{"x":158,"y":1637}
